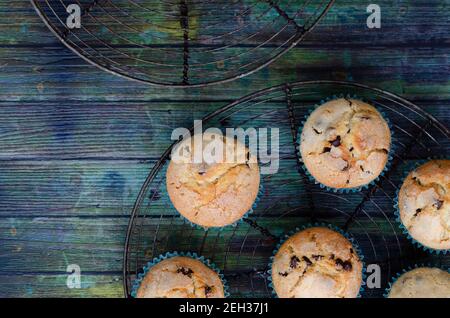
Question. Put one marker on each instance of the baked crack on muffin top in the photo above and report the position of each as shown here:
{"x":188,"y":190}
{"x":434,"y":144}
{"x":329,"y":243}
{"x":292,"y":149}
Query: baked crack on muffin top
{"x":181,"y":277}
{"x":317,"y":263}
{"x":424,"y":204}
{"x":345,"y":143}
{"x":215,"y":194}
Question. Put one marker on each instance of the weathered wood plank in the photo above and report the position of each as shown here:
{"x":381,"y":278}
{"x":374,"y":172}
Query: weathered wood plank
{"x":49,"y":245}
{"x":247,"y":56}
{"x":35,"y":252}
{"x":73,"y":188}
{"x":345,"y":25}
{"x":49,"y":74}
{"x":77,"y":144}
{"x":104,"y":286}
{"x":54,"y":79}
{"x":110,"y":187}
{"x":129,"y":131}
{"x":48,"y":285}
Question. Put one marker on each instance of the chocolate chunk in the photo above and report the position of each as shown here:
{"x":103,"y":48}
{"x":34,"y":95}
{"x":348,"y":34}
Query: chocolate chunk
{"x":339,"y":263}
{"x":417,"y":212}
{"x":316,"y":131}
{"x":332,"y":256}
{"x":202,"y":169}
{"x":208,"y":291}
{"x":365,"y":117}
{"x":294,"y":261}
{"x":439,"y":204}
{"x":336,"y":142}
{"x":346,"y":266}
{"x":185,"y":271}
{"x":352,"y":251}
{"x":326,"y":149}
{"x":346,"y":167}
{"x":307,"y":260}
{"x":283,"y":274}
{"x":351,"y":149}
{"x":317,"y":257}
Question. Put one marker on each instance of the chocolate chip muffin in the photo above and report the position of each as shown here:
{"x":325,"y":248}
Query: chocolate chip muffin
{"x":181,"y":277}
{"x":424,"y":204}
{"x":345,"y":143}
{"x":422,"y":282}
{"x":213,"y":193}
{"x":317,"y":263}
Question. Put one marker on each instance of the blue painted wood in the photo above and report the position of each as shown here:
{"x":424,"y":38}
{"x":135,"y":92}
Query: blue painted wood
{"x":76,"y":143}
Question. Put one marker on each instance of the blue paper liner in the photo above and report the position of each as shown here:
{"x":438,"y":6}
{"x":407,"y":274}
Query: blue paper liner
{"x":137,"y":282}
{"x":344,"y":190}
{"x":410,"y":168}
{"x":355,"y":245}
{"x":387,"y":291}
{"x":255,"y":203}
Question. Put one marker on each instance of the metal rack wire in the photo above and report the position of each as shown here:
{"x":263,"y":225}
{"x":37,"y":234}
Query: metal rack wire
{"x":183,"y":43}
{"x":290,"y":199}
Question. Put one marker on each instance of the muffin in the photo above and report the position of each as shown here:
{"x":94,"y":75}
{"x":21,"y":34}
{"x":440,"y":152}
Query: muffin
{"x":317,"y":263}
{"x":213,"y":192}
{"x":345,"y":143}
{"x":180,"y":277}
{"x":422,"y":282}
{"x":424,"y":204}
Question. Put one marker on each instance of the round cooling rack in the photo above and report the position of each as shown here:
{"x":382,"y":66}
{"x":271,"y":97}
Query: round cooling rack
{"x":183,"y":43}
{"x":289,"y":199}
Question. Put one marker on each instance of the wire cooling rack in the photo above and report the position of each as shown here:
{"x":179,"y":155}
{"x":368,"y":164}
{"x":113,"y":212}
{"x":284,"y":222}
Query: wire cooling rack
{"x":290,"y":199}
{"x":182,"y":43}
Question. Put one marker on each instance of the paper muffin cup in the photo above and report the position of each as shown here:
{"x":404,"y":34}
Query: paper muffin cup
{"x":285,"y":237}
{"x":244,"y":216}
{"x":410,"y":168}
{"x":387,"y":291}
{"x":344,"y":190}
{"x":220,"y":228}
{"x":137,"y":282}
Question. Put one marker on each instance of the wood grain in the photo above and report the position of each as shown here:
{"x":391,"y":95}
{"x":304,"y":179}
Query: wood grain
{"x":77,"y":143}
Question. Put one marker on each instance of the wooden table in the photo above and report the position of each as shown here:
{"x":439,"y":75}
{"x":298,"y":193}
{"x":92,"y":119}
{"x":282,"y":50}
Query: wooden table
{"x":77,"y":143}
